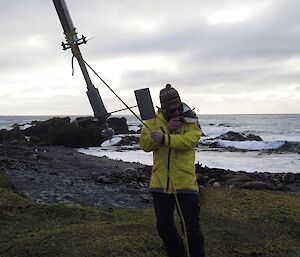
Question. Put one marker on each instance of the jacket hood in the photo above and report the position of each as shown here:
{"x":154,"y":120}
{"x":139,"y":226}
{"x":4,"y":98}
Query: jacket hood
{"x":188,"y":115}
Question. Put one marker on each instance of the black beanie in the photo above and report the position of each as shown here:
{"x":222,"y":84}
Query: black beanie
{"x":168,"y":96}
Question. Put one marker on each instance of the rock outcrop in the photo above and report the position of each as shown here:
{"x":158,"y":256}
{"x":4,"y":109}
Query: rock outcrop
{"x":287,"y":182}
{"x":60,"y":131}
{"x":235,"y":136}
{"x":119,"y":125}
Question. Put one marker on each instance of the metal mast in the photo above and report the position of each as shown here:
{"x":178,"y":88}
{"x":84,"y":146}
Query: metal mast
{"x":73,"y":43}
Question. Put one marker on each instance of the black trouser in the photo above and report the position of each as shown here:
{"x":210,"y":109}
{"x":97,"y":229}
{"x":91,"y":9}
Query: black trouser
{"x":189,"y":204}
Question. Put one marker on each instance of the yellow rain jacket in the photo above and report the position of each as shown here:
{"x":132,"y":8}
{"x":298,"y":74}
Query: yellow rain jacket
{"x":176,"y":156}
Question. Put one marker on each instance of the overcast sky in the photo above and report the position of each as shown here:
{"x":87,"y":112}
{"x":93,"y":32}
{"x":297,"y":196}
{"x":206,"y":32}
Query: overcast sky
{"x":230,"y":56}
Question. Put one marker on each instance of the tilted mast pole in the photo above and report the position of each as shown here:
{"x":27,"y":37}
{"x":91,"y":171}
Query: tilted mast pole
{"x":73,"y":43}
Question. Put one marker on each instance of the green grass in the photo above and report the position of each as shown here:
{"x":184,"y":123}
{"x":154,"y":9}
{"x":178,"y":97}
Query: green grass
{"x":234,"y":222}
{"x":251,"y":223}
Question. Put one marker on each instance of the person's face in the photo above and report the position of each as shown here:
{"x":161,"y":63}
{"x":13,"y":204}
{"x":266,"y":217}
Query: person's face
{"x":174,"y":110}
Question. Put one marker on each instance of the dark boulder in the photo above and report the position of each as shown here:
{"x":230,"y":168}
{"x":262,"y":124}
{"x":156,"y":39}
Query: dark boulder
{"x":234,"y":136}
{"x":59,"y":131}
{"x":119,"y":125}
{"x":206,"y":176}
{"x":130,"y":140}
{"x":289,"y":178}
{"x":216,"y":184}
{"x":73,"y":135}
{"x":224,"y":125}
{"x":237,"y":179}
{"x":41,"y":128}
{"x":252,"y":137}
{"x":293,"y":147}
{"x":12,"y":135}
{"x":257,"y":185}
{"x":133,"y":178}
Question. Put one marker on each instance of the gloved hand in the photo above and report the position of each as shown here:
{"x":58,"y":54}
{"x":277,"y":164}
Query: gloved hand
{"x":174,"y":124}
{"x":157,"y":136}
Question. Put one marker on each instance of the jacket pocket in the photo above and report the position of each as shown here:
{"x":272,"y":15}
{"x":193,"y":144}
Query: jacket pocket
{"x":184,"y":170}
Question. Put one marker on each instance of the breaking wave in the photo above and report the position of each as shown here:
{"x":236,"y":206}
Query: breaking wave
{"x":280,"y":146}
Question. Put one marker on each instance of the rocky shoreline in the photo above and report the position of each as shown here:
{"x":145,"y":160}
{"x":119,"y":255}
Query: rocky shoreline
{"x":57,"y":174}
{"x":62,"y":175}
{"x":42,"y":163}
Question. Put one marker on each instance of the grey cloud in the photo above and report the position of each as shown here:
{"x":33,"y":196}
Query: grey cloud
{"x":51,"y":105}
{"x":209,"y":58}
{"x":274,"y":36}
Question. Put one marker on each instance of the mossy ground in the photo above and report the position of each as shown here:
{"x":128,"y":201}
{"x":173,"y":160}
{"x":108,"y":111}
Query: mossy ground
{"x":234,"y":222}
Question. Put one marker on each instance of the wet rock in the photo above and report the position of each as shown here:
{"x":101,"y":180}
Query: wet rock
{"x":210,"y":173}
{"x":293,"y":147}
{"x":130,"y":171}
{"x":135,"y":129}
{"x":42,"y":127}
{"x":234,"y":136}
{"x":59,"y":131}
{"x":13,"y":135}
{"x":288,"y":178}
{"x":103,"y":180}
{"x":131,"y":177}
{"x":130,"y":140}
{"x":119,"y":125}
{"x":108,"y":133}
{"x":201,"y":179}
{"x":146,"y":198}
{"x":256,"y":185}
{"x":35,"y":140}
{"x":211,"y":181}
{"x":216,"y":184}
{"x":85,"y":121}
{"x":274,"y":181}
{"x":224,"y":125}
{"x":237,"y":179}
{"x":252,"y":137}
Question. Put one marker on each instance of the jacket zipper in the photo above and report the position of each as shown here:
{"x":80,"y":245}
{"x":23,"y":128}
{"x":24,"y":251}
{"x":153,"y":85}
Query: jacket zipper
{"x":168,"y":166}
{"x":168,"y":174}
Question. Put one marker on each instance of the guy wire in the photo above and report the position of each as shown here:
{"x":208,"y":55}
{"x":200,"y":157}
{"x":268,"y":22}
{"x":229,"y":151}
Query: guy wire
{"x":116,"y":94}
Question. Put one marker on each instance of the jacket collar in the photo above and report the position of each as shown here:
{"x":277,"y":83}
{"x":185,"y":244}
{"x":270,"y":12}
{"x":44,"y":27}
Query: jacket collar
{"x":160,"y":116}
{"x":188,"y":115}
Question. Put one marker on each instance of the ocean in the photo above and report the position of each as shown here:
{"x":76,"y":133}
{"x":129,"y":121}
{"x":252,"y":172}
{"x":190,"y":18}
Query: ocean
{"x":278,"y":152}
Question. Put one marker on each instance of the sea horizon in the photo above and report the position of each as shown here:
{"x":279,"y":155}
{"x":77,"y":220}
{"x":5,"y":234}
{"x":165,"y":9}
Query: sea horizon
{"x":51,"y":115}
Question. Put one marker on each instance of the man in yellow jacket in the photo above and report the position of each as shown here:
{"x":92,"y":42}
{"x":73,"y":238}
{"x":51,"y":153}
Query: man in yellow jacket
{"x":172,"y":137}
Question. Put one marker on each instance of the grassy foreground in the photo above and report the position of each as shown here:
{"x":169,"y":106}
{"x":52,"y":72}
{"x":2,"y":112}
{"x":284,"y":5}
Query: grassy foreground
{"x":234,"y":222}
